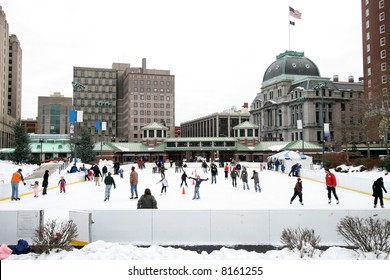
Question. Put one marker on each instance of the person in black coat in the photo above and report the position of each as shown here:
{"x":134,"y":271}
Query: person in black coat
{"x":377,"y":191}
{"x":45,"y":182}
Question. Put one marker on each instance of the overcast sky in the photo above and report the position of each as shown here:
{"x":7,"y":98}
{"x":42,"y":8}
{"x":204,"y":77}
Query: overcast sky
{"x":218,"y":50}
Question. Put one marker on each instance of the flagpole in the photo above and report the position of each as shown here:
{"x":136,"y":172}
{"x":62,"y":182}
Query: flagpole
{"x":289,"y":27}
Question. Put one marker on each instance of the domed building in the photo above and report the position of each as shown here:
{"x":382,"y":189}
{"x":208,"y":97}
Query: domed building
{"x":296,"y":103}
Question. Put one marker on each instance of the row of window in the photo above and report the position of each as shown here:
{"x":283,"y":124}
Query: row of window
{"x":149,"y":97}
{"x":168,"y":90}
{"x":88,"y":81}
{"x":94,"y":96}
{"x":148,"y":82}
{"x":149,"y":113}
{"x":381,"y":5}
{"x":96,"y":74}
{"x":155,"y":105}
{"x":149,"y":120}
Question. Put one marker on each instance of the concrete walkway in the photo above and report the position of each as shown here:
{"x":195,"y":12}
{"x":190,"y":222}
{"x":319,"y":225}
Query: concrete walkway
{"x":38,"y":173}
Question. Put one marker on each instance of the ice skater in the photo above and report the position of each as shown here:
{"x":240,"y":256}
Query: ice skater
{"x":164,"y":183}
{"x":377,"y":191}
{"x":198,"y":180}
{"x":330,"y":181}
{"x":297,"y":191}
{"x":62,"y":184}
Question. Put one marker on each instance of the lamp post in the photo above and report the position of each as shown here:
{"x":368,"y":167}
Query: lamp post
{"x":318,"y":87}
{"x":76,"y":86}
{"x":302,"y":100}
{"x":41,"y":142}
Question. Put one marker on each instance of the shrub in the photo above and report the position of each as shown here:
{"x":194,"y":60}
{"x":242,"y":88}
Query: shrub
{"x":368,"y":235}
{"x":303,"y":240}
{"x":54,"y":235}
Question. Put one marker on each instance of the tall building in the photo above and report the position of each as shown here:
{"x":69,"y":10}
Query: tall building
{"x":295,"y":102}
{"x":376,"y":66}
{"x":217,"y":124}
{"x":97,"y":98}
{"x":30,"y":125}
{"x":145,"y":96}
{"x":126,"y":98}
{"x":53,"y":114}
{"x":10,"y":82}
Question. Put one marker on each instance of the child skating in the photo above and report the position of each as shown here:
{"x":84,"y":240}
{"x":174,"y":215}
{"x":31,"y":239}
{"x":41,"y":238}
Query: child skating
{"x":62,"y":184}
{"x":35,"y":188}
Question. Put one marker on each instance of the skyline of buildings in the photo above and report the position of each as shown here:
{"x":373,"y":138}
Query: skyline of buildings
{"x":128,"y":98}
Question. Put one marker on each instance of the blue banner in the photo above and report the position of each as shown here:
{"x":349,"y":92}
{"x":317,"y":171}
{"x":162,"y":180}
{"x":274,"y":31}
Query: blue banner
{"x":72,"y":116}
{"x":98,"y":125}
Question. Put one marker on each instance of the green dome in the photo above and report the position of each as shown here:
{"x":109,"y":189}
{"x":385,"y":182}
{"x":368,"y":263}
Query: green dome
{"x":291,"y":63}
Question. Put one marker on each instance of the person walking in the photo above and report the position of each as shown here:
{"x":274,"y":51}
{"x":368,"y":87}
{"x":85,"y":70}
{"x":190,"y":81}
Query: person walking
{"x":198,"y":181}
{"x":377,"y":191}
{"x":244,"y":178}
{"x":15,"y":180}
{"x":164,"y":183}
{"x":297,"y":191}
{"x":256,"y":180}
{"x":234,"y":175}
{"x":109,"y":181}
{"x":133,"y":183}
{"x":214,"y":173}
{"x":62,"y":184}
{"x":331,"y":183}
{"x":147,"y":200}
{"x":45,"y":182}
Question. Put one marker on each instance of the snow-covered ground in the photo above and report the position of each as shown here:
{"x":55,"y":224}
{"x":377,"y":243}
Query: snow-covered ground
{"x":277,"y":189}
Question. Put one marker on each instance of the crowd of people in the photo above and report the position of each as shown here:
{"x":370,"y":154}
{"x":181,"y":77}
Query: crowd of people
{"x":233,"y":170}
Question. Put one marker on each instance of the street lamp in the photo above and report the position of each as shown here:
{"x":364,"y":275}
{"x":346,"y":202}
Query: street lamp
{"x":301,"y":125}
{"x":318,"y":87}
{"x":41,"y":142}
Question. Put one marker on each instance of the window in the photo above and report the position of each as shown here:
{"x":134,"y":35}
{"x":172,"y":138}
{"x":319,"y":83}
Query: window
{"x":368,"y":59}
{"x":369,"y":83}
{"x":382,"y":16}
{"x":381,"y":4}
{"x":367,"y":23}
{"x":368,"y":47}
{"x":369,"y":71}
{"x":384,"y":79}
{"x":383,"y":53}
{"x":382,"y":41}
{"x":368,"y":36}
{"x":383,"y":66}
{"x":367,"y":12}
{"x":382,"y":29}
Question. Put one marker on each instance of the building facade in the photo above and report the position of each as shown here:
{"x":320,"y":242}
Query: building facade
{"x":10,"y":82}
{"x":126,"y":98}
{"x":97,"y":99}
{"x":295,"y":103}
{"x":376,"y":66}
{"x":53,"y":114}
{"x":30,"y":125}
{"x":217,"y":124}
{"x":146,"y":96}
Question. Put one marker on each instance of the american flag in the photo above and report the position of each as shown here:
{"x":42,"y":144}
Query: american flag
{"x":295,"y":13}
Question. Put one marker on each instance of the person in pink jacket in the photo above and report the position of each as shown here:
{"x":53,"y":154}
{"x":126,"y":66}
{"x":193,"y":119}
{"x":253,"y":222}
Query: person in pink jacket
{"x":5,"y":252}
{"x":331,"y":183}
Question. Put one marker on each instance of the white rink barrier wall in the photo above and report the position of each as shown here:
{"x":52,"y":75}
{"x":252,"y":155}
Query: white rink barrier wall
{"x":216,"y":227}
{"x":351,"y":181}
{"x":71,"y":178}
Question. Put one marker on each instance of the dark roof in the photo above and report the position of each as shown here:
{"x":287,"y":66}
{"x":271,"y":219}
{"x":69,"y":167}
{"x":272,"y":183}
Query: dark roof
{"x":291,"y":63}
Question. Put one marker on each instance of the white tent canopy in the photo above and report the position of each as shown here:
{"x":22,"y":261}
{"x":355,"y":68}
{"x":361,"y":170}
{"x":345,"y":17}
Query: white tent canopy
{"x":289,"y":158}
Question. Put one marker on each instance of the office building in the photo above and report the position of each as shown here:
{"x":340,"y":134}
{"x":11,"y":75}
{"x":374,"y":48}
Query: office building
{"x":10,"y":82}
{"x":376,"y":66}
{"x":53,"y":114}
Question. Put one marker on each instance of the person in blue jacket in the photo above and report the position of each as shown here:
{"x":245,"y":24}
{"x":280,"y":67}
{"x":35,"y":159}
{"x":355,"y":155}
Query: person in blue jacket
{"x":198,"y":181}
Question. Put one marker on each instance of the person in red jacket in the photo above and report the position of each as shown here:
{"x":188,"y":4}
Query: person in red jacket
{"x":330,"y":181}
